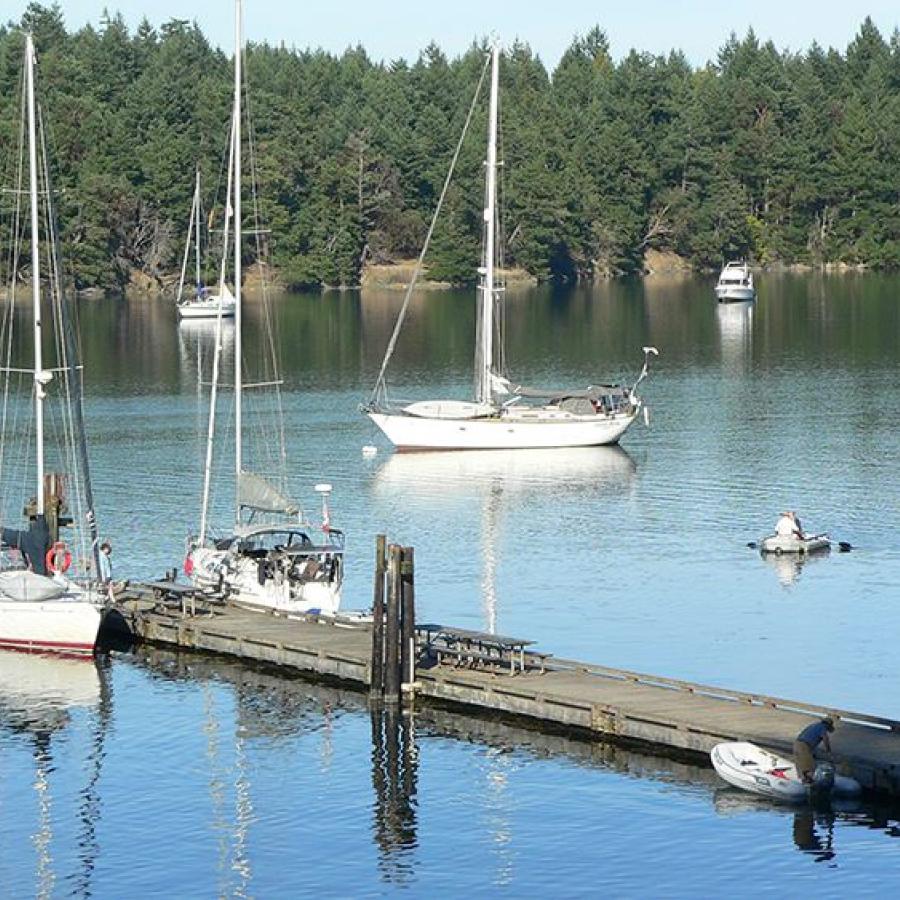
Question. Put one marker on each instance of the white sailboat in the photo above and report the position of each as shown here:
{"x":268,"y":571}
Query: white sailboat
{"x":49,"y":599}
{"x":203,"y":304}
{"x":269,"y":559}
{"x":502,"y":414}
{"x":735,"y":283}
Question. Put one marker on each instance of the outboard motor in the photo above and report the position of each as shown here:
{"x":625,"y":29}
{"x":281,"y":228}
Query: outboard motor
{"x":823,"y":780}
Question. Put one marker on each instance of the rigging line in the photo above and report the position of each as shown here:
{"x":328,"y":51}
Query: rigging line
{"x":16,"y":457}
{"x":16,"y":238}
{"x":272,"y":364}
{"x":187,"y":244}
{"x":380,"y":385}
{"x":500,"y":303}
{"x":73,"y":484}
{"x":69,"y":336}
{"x":217,"y":352}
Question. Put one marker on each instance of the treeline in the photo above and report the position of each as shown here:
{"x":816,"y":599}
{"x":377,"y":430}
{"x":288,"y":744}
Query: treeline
{"x":772,"y":155}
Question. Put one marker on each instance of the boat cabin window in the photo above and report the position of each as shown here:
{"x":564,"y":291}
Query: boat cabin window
{"x":274,"y":540}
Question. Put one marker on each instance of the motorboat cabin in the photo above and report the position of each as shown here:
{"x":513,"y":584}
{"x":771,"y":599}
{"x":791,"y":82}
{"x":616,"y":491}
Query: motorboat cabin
{"x":735,"y":283}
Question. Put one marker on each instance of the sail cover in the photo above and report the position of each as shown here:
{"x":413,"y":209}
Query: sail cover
{"x":593,"y":392}
{"x":33,"y":543}
{"x":254,"y":492}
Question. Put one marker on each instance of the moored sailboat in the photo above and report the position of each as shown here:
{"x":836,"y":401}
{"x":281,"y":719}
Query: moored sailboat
{"x":503,"y":414}
{"x":203,"y":304}
{"x":49,"y":596}
{"x":271,"y":558}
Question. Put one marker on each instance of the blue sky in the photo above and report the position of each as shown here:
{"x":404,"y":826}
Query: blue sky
{"x":401,"y":28}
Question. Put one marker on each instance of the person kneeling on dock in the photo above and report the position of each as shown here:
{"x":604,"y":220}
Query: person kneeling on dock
{"x":805,"y":746}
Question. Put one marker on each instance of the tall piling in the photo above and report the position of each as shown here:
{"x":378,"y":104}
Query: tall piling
{"x":376,"y":683}
{"x":392,"y":628}
{"x":407,"y":620}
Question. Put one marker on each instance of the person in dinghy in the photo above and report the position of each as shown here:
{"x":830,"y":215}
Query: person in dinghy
{"x":805,"y":747}
{"x":788,"y":525}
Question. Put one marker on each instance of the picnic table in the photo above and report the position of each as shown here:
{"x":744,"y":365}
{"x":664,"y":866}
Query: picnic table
{"x":172,"y":591}
{"x":475,"y":647}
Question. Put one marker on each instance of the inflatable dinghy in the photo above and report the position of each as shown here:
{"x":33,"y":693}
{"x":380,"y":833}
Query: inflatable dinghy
{"x":747,"y":766}
{"x":778,"y":544}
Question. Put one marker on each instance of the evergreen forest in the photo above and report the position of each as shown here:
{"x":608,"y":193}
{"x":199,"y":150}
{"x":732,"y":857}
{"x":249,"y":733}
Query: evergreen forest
{"x":777,"y":156}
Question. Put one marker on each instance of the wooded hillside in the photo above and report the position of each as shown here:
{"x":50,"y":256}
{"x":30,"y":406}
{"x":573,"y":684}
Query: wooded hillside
{"x":767,"y":154}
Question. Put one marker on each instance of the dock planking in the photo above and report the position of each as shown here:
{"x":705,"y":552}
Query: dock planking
{"x":553,"y":694}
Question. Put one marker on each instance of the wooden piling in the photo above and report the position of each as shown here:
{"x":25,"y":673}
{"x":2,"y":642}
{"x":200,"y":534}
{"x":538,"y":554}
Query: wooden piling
{"x":392,"y":628}
{"x":376,"y":683}
{"x":407,"y":620}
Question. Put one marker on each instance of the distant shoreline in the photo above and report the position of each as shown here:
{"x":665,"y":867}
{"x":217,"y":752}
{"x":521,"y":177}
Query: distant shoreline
{"x":398,"y":275}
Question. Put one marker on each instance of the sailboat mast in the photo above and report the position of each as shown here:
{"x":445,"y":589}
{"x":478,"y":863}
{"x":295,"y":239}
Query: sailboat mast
{"x":485,"y":392}
{"x":238,"y":462}
{"x":187,"y":246}
{"x":197,"y":229}
{"x":35,"y":275}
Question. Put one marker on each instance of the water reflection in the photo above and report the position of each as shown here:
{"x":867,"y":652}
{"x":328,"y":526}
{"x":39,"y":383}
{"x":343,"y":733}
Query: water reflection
{"x":466,"y":473}
{"x":788,"y":566}
{"x":273,"y":707}
{"x":197,"y":344}
{"x":736,"y":334}
{"x":270,"y":707}
{"x":395,"y":768}
{"x":503,"y":483}
{"x":38,"y":698}
{"x":814,"y":834}
{"x":813,"y":828}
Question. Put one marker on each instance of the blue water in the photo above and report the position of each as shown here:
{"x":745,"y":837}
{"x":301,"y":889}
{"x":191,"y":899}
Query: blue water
{"x":195,"y":777}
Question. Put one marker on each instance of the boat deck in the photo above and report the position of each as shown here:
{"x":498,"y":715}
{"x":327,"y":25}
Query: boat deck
{"x":550,"y":693}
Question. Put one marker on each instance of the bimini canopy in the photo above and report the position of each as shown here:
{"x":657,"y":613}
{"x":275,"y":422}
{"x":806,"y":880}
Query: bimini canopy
{"x":254,"y":492}
{"x":591,"y":392}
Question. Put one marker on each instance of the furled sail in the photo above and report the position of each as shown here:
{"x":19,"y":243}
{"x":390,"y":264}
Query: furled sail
{"x":254,"y":492}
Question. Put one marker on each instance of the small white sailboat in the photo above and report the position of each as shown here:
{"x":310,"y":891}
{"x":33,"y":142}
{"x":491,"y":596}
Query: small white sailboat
{"x":502,"y":414}
{"x":747,"y":766}
{"x":49,"y":596}
{"x":203,"y":304}
{"x":271,"y":558}
{"x":735,"y":283}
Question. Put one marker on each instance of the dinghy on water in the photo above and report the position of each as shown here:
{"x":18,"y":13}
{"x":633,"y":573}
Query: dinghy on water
{"x":778,"y":544}
{"x":753,"y":769}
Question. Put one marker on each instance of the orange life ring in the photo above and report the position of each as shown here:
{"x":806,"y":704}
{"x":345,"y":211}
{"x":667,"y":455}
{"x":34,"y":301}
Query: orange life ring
{"x":54,"y":562}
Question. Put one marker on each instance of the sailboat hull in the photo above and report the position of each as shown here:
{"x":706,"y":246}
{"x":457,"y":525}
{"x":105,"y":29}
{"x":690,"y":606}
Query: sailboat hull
{"x":58,"y":626}
{"x":207,"y":308}
{"x":239,"y":576}
{"x":507,"y":431}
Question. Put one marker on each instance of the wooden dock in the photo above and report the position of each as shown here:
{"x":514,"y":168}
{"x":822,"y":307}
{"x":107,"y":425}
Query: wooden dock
{"x":560,"y":695}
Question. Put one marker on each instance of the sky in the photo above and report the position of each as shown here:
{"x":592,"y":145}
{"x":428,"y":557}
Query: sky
{"x":393,"y":29}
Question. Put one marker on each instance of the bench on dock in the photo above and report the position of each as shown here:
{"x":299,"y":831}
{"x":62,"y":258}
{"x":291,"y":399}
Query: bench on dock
{"x":478,"y":648}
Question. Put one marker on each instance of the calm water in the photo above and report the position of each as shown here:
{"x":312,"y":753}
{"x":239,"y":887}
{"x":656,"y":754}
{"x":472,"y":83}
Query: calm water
{"x":199,"y":777}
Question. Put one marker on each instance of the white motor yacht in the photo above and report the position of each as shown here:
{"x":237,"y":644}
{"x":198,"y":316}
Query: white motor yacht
{"x":735,"y":283}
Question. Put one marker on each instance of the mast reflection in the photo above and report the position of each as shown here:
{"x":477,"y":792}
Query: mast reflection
{"x":39,"y":696}
{"x":501,"y":483}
